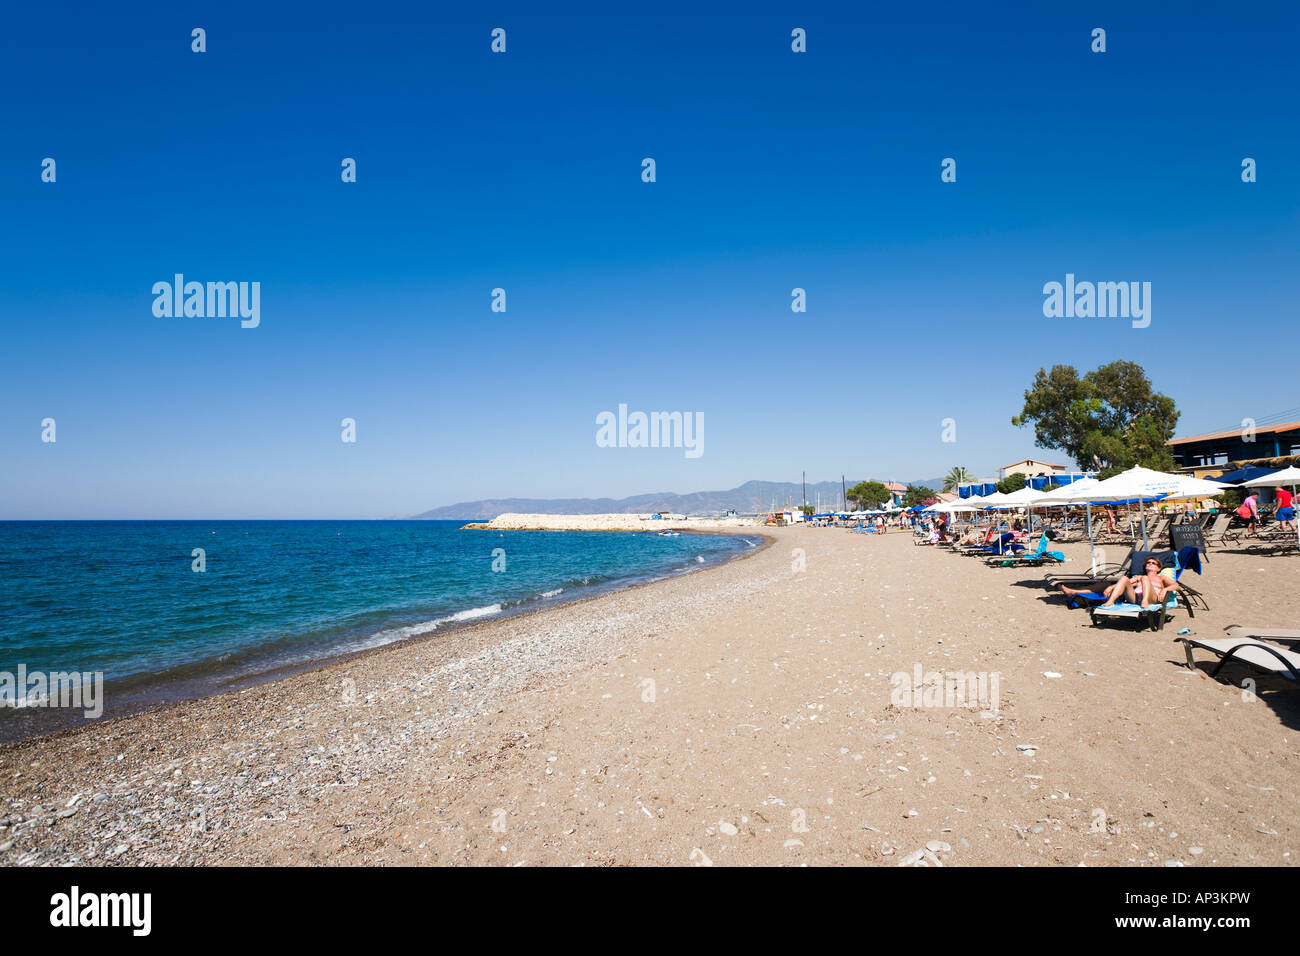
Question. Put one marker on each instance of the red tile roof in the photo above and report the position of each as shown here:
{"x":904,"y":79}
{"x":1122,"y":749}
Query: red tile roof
{"x":1033,"y":461}
{"x":1235,"y":433}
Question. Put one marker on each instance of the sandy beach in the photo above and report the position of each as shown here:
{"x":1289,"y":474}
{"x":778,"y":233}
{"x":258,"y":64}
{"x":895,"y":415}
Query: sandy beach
{"x":737,"y":715}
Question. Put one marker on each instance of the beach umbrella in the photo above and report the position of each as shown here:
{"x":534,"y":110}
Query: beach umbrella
{"x":994,"y":500}
{"x":1140,"y":483}
{"x":1072,"y":494}
{"x":1287,"y":476}
{"x":1026,"y":497}
{"x":974,"y":503}
{"x":1145,"y":484}
{"x":1284,"y":477}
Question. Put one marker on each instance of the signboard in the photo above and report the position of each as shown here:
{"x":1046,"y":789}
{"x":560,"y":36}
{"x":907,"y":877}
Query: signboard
{"x":1187,"y":536}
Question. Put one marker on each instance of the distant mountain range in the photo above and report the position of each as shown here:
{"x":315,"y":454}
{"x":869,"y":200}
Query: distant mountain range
{"x":750,"y":497}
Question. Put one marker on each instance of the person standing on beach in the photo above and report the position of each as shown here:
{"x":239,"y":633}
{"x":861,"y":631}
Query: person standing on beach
{"x":1285,"y":510}
{"x":1249,"y":512}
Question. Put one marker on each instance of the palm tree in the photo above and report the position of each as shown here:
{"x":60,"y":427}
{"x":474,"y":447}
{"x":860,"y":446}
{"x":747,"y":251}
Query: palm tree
{"x":958,"y":476}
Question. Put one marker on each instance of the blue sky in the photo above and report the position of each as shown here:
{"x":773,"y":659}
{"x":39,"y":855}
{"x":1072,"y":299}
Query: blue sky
{"x":775,"y":170}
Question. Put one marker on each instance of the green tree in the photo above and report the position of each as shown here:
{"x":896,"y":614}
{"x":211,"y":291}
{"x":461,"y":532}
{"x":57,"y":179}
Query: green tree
{"x":1109,"y":419}
{"x":807,"y":509}
{"x":917,"y":495}
{"x":1012,"y":482}
{"x":868,"y":494}
{"x":1050,"y":486}
{"x":958,"y":476}
{"x":1230,"y":499}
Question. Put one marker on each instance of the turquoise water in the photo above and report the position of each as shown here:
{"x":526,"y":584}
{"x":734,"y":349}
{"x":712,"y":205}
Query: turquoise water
{"x":122,"y":597}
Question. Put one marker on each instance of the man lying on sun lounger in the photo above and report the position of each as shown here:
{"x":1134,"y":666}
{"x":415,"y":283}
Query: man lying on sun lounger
{"x":972,"y":537}
{"x":1152,"y":587}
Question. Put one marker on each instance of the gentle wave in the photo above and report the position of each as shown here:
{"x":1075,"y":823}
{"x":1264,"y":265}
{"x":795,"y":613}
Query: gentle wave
{"x":393,"y":634}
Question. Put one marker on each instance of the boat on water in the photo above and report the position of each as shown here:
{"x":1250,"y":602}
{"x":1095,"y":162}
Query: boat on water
{"x":669,"y":534}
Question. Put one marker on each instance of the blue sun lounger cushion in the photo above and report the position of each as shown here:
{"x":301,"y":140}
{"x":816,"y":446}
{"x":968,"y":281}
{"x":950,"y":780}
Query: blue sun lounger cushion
{"x":1188,"y":559}
{"x":1006,"y":544}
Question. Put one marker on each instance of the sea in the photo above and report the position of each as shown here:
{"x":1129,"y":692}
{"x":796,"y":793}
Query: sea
{"x":180,"y":609}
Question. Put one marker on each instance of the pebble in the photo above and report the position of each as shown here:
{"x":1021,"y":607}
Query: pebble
{"x":728,"y":828}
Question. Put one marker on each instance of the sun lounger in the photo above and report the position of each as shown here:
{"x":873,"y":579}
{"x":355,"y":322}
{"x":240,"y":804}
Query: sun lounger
{"x":1031,"y":560}
{"x":1188,"y":558}
{"x":1257,"y":654}
{"x":996,"y":546}
{"x":1151,"y":616}
{"x":1281,"y":635}
{"x":1004,"y":545}
{"x":1131,"y":565}
{"x":1104,"y":574}
{"x":1271,"y":539}
{"x":1219,"y":533}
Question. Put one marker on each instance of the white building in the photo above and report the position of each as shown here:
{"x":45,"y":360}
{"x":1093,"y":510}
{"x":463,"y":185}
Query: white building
{"x":1032,"y":468}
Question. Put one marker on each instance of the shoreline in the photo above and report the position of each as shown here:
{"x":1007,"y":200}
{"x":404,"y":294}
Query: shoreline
{"x":152,"y":693}
{"x":745,"y":716}
{"x":613,"y":521}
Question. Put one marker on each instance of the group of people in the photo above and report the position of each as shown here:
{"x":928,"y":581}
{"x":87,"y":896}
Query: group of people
{"x":1249,"y":511}
{"x":989,"y":534}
